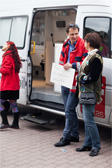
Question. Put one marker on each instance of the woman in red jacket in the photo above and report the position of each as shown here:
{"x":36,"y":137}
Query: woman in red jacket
{"x":9,"y":84}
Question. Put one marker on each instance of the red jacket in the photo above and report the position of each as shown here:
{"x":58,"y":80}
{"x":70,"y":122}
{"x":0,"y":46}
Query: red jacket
{"x":9,"y":79}
{"x":76,"y":57}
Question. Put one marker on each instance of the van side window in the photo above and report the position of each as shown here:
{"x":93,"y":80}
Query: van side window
{"x":102,"y":27}
{"x":5,"y":25}
{"x":111,"y":38}
{"x":13,"y":29}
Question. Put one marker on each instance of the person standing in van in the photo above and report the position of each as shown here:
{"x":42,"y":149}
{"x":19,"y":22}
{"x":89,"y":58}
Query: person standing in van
{"x":9,"y":84}
{"x":72,"y":54}
{"x":89,"y":80}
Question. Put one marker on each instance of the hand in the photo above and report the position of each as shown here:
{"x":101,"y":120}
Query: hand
{"x":67,"y":66}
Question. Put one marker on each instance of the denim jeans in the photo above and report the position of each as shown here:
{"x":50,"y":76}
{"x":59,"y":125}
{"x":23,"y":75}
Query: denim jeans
{"x":71,"y":121}
{"x":92,"y":138}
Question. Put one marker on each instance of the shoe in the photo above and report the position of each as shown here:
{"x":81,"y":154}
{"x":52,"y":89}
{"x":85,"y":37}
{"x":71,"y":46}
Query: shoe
{"x":14,"y":126}
{"x":83,"y":148}
{"x":74,"y":139}
{"x":62,"y":142}
{"x":94,"y":152}
{"x":2,"y":126}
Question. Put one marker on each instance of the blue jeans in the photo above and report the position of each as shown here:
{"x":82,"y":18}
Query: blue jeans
{"x":92,"y":138}
{"x":71,"y":121}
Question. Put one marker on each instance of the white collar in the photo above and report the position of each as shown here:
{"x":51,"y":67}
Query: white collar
{"x":93,"y":51}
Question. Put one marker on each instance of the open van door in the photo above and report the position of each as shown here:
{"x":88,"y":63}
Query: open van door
{"x":15,"y":26}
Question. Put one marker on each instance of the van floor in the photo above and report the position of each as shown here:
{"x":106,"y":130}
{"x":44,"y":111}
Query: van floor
{"x":44,"y":92}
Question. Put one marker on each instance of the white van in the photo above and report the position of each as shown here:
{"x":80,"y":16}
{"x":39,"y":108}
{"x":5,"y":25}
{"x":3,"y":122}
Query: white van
{"x":38,"y":28}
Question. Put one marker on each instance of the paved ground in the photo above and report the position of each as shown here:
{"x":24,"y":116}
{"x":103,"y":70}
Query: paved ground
{"x":32,"y":146}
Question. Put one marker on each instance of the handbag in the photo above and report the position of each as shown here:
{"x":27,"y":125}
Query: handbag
{"x":87,"y":98}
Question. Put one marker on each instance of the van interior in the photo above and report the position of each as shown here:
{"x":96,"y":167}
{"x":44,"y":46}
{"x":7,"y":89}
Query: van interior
{"x":48,"y":34}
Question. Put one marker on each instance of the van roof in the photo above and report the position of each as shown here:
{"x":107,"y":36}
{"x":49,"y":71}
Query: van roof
{"x":21,"y":4}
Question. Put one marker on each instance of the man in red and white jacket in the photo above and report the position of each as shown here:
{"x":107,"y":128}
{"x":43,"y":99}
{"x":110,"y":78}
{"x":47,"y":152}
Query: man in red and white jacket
{"x":72,"y":54}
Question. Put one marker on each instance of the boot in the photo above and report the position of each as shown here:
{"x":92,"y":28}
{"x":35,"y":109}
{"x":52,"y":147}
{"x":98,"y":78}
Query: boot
{"x":15,"y":121}
{"x":5,"y":123}
{"x":6,"y":105}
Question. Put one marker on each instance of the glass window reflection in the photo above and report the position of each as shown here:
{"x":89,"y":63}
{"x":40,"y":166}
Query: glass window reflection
{"x":102,"y":27}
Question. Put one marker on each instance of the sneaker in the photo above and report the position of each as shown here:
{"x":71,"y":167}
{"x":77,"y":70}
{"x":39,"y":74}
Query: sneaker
{"x":2,"y":126}
{"x":62,"y":142}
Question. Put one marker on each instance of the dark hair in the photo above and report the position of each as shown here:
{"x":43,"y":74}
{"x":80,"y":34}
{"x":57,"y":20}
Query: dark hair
{"x":94,"y":39}
{"x":71,"y":25}
{"x":15,"y":56}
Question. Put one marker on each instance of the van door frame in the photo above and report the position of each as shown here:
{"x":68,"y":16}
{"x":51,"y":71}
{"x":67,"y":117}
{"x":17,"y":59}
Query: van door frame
{"x":29,"y":55}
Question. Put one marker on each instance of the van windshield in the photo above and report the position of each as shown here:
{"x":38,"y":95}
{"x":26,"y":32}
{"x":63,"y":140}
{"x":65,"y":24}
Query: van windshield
{"x":13,"y":29}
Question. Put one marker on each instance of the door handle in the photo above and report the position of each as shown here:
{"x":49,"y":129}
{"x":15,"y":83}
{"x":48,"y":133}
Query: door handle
{"x":23,"y":60}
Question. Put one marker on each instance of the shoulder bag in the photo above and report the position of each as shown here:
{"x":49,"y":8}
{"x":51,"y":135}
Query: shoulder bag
{"x":87,"y":98}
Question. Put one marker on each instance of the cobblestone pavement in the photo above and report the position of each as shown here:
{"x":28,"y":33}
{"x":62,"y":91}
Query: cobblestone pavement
{"x":32,"y":146}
